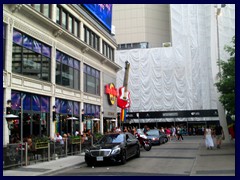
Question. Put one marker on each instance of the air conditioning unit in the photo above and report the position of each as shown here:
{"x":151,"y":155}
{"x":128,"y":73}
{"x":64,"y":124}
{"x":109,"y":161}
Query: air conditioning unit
{"x":166,"y":44}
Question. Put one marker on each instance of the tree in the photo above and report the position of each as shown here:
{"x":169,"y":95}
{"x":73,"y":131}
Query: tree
{"x":226,"y":84}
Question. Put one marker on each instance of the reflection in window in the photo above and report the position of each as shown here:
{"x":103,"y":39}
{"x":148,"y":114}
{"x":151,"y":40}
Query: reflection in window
{"x":91,"y":38}
{"x":108,"y":51}
{"x":91,"y":80}
{"x":67,"y":71}
{"x":67,"y":21}
{"x":30,"y":57}
{"x":45,"y":9}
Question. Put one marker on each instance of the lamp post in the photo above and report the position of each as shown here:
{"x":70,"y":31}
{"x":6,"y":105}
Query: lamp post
{"x":137,"y":114}
{"x":219,"y":13}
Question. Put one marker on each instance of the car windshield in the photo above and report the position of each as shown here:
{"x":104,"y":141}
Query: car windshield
{"x":111,"y":138}
{"x":140,"y":131}
{"x":153,"y":133}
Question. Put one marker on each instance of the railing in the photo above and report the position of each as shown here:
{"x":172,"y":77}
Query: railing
{"x":15,"y":155}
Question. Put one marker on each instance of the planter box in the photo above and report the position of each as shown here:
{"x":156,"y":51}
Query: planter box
{"x":75,"y":141}
{"x":40,"y":145}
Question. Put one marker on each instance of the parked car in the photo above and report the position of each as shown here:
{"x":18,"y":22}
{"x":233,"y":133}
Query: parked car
{"x":115,"y":147}
{"x":156,"y":136}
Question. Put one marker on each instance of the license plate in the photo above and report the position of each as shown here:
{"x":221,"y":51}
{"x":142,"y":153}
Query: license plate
{"x":99,"y":158}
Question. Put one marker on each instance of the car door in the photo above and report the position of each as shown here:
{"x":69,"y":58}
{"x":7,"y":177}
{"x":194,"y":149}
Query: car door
{"x":132,"y":144}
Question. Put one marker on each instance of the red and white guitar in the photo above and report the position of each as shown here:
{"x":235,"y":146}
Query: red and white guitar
{"x":123,"y":100}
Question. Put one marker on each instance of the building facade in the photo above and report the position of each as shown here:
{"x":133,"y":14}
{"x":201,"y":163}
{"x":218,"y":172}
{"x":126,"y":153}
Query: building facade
{"x":142,"y":25}
{"x":169,"y":80}
{"x":58,"y":58}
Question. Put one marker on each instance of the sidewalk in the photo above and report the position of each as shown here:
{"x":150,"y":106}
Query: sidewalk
{"x":45,"y":168}
{"x":216,"y":162}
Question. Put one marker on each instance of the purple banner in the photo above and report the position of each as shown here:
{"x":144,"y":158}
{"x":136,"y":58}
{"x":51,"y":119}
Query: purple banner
{"x":37,"y":46}
{"x":27,"y":42}
{"x":17,"y":37}
{"x":46,"y":50}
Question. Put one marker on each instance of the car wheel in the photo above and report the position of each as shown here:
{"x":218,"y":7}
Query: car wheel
{"x":124,"y":157}
{"x":89,"y":164}
{"x":138,"y":152}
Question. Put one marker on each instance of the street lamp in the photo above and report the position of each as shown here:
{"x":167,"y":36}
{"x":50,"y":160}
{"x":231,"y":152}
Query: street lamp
{"x":137,"y":114}
{"x":219,"y":13}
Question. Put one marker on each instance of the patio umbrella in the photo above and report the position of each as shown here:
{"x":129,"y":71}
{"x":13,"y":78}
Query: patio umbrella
{"x":11,"y":116}
{"x":72,"y":118}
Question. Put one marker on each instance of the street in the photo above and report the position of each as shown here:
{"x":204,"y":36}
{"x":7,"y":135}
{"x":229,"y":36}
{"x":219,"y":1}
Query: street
{"x":175,"y":158}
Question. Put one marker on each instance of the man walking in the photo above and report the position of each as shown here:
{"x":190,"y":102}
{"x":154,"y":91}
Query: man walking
{"x":219,"y":135}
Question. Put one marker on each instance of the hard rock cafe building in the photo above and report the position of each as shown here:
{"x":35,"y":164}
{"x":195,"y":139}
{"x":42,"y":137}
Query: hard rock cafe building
{"x":59,"y":70}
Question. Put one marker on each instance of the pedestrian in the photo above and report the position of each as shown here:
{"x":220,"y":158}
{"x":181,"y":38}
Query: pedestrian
{"x":76,"y":132}
{"x":179,"y":133}
{"x":168,"y":133}
{"x":208,"y":138}
{"x":173,"y":130}
{"x":219,"y":135}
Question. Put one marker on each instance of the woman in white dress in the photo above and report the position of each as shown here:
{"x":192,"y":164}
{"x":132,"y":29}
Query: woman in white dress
{"x":208,"y":138}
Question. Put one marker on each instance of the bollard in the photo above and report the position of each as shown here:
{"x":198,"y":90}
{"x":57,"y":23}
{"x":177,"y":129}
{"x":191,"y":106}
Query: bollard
{"x":66,"y":147}
{"x":26,"y":153}
{"x":48,"y":151}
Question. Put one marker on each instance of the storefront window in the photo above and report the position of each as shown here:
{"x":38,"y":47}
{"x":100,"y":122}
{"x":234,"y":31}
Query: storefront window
{"x":36,"y":117}
{"x":65,"y":109}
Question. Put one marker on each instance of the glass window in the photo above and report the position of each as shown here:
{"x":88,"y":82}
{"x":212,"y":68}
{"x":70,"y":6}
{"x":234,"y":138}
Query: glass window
{"x":31,"y":64}
{"x":46,"y":50}
{"x":36,"y":103}
{"x":16,"y":58}
{"x":27,"y":42}
{"x":70,"y":24}
{"x":76,"y":79}
{"x":76,"y":28}
{"x":17,"y":37}
{"x":37,"y":7}
{"x":46,"y":10}
{"x":45,"y":104}
{"x":45,"y":68}
{"x":26,"y":101}
{"x":28,"y":59}
{"x":58,"y":73}
{"x":64,"y":19}
{"x":91,"y":80}
{"x":37,"y":46}
{"x":67,"y":71}
{"x":58,"y":15}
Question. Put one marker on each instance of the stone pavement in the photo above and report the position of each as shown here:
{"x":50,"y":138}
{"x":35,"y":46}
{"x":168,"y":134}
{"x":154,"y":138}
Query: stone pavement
{"x":216,"y":162}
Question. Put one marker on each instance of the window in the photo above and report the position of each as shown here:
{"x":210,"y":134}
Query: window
{"x":67,"y":21}
{"x":91,"y":38}
{"x":70,"y":24}
{"x":91,"y":80}
{"x":91,"y":110}
{"x":36,"y":116}
{"x":108,"y":51}
{"x":30,"y":57}
{"x":45,"y":9}
{"x":67,"y":71}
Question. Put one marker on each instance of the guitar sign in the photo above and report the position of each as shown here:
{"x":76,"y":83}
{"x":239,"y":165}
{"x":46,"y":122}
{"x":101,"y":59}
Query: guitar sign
{"x":123,"y":100}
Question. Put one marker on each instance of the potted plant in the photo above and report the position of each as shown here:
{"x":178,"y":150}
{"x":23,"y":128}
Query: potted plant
{"x":97,"y":136}
{"x":40,"y":142}
{"x":75,"y":139}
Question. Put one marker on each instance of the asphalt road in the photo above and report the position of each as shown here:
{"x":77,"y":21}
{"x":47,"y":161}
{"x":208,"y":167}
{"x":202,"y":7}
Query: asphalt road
{"x":175,"y":158}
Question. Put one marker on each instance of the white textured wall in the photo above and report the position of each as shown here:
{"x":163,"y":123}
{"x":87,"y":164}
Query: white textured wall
{"x":180,"y":77}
